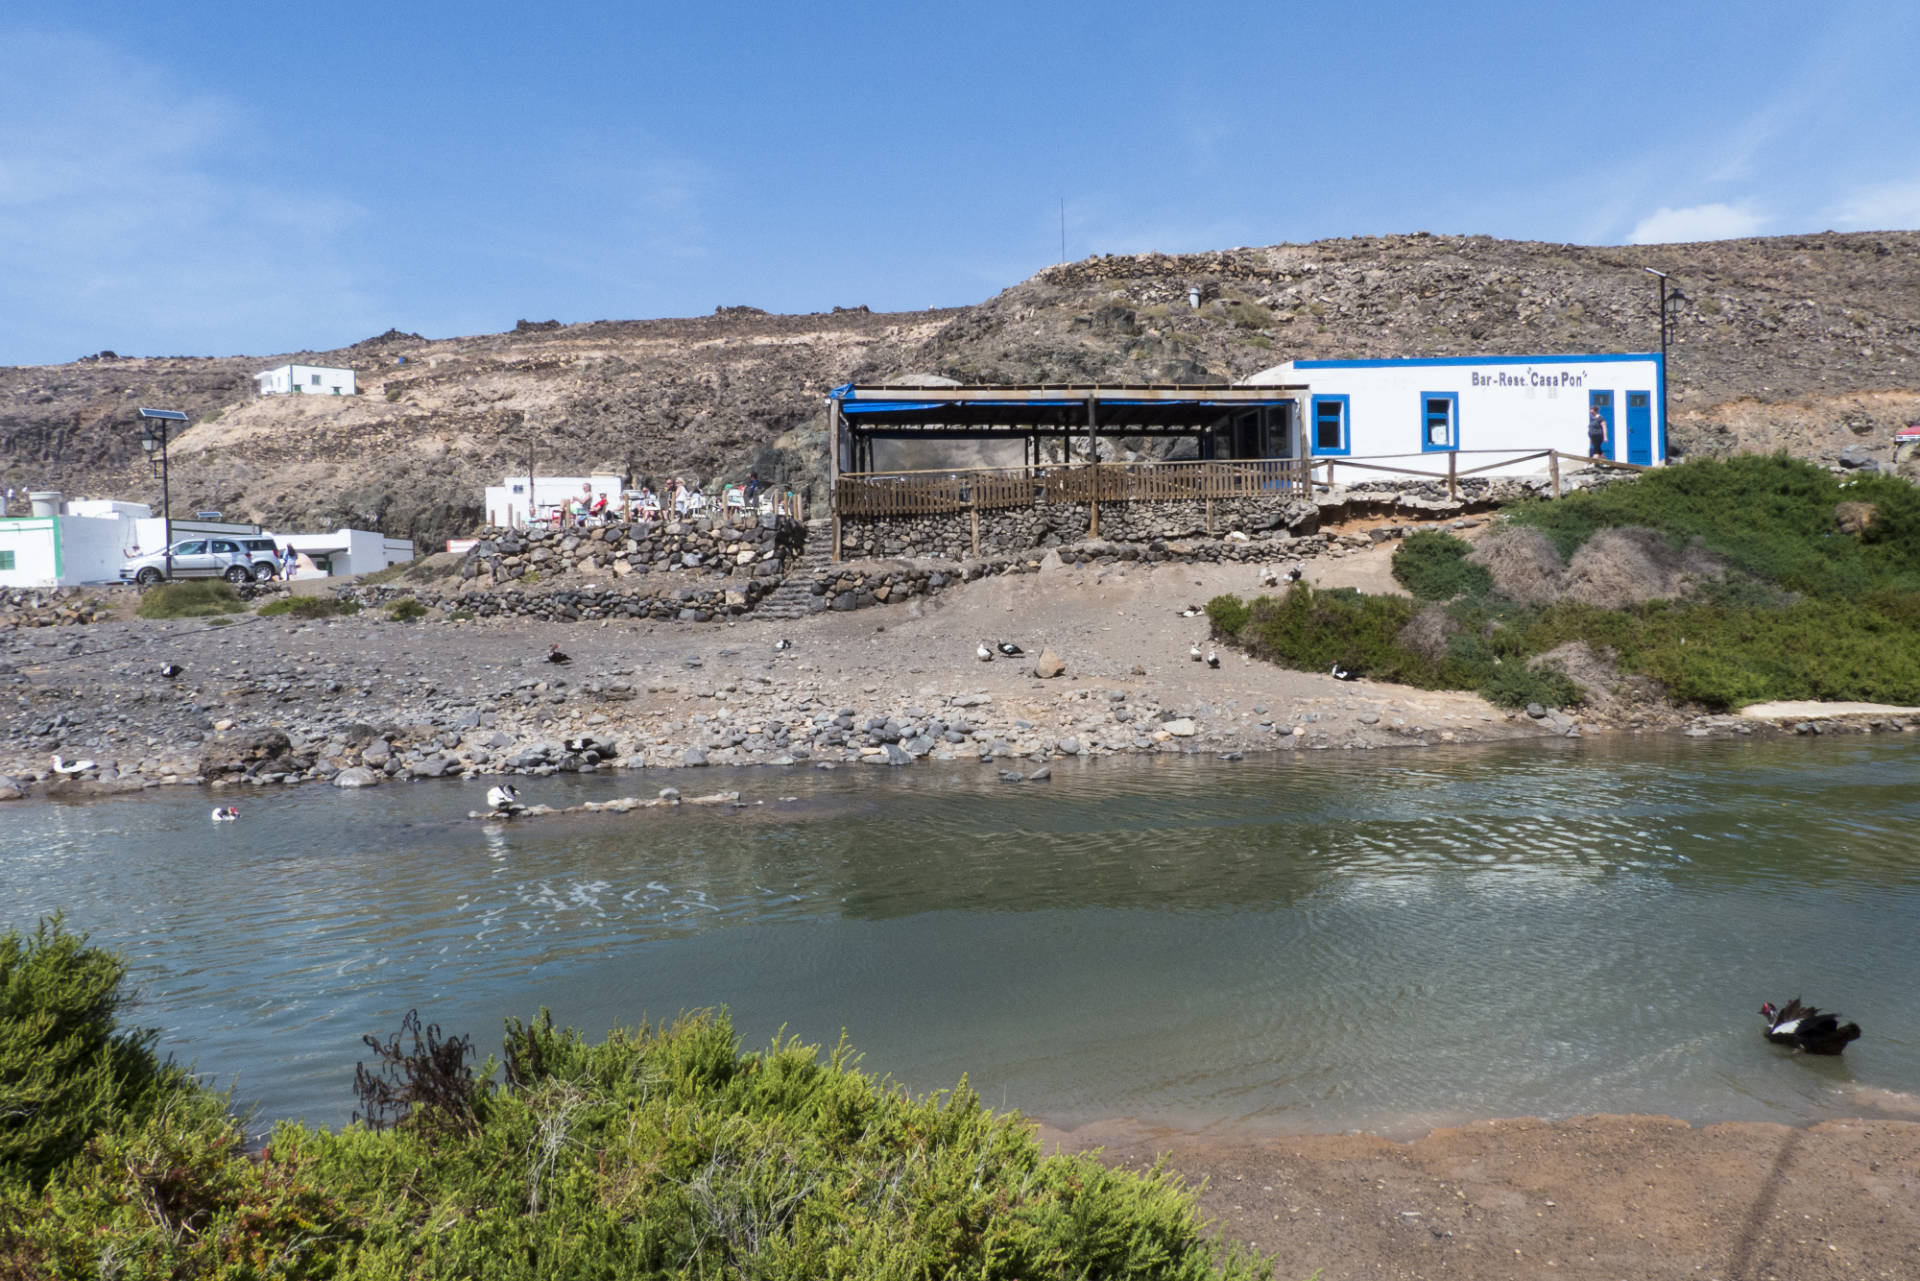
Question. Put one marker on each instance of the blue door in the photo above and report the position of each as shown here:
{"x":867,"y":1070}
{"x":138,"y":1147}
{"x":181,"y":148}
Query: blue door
{"x":1640,"y":427}
{"x":1603,"y":401}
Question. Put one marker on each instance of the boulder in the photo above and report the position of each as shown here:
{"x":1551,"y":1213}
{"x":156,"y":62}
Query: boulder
{"x":357,"y":776}
{"x":1049,"y":664}
{"x":242,"y":752}
{"x":10,"y":788}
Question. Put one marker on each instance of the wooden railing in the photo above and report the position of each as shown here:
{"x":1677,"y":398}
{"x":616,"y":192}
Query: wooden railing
{"x":927,"y":493}
{"x":909,"y":493}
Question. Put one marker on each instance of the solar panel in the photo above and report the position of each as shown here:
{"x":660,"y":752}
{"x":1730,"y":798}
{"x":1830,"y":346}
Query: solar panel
{"x":169,"y":415}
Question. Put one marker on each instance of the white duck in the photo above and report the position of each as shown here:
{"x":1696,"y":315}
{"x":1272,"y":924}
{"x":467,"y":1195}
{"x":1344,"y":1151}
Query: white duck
{"x":983,"y":653}
{"x":77,"y":767}
{"x":1193,"y":652}
{"x":504,"y":799}
{"x":226,"y":814}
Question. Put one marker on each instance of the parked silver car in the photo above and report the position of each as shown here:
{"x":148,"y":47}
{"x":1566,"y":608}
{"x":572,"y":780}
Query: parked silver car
{"x":194,"y":558}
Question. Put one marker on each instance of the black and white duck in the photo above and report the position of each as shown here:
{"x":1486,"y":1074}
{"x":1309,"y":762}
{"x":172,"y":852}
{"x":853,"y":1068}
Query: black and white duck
{"x":1803,"y":1027}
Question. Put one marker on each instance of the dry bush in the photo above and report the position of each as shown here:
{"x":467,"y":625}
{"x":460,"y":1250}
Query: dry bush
{"x":1523,"y":563}
{"x":1428,"y":632}
{"x":1597,"y":672}
{"x":1626,"y":566}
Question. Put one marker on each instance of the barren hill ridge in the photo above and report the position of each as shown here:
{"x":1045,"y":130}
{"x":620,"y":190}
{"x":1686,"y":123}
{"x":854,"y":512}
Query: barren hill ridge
{"x":1805,"y":343}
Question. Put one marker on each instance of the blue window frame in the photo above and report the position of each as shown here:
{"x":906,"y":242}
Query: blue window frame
{"x":1331,"y":431}
{"x":1439,"y":421}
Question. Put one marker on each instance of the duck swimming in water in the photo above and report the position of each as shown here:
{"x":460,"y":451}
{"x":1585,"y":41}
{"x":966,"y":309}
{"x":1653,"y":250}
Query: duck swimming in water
{"x":226,"y":814}
{"x":1802,"y":1027}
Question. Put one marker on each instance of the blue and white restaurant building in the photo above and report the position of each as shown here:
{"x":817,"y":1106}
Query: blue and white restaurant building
{"x":1406,"y":408}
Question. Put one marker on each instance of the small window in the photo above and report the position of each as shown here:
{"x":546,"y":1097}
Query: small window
{"x":1330,"y":425}
{"x":1439,"y":420}
{"x":1636,"y":400}
{"x":313,"y":380}
{"x":6,"y":560}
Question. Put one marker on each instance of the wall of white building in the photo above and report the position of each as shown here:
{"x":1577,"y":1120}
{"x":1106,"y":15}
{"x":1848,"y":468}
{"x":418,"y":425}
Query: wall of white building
{"x":305,"y":380}
{"x":62,"y":551}
{"x":1424,"y":408}
{"x":350,"y":551}
{"x":506,"y":503}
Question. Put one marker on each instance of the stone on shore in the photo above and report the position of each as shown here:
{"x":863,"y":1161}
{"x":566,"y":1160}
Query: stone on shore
{"x":10,"y":789}
{"x":1049,"y":664}
{"x":356,"y":776}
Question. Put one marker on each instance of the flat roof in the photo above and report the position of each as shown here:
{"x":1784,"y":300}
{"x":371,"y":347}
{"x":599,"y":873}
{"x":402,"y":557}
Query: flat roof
{"x":1126,"y":409}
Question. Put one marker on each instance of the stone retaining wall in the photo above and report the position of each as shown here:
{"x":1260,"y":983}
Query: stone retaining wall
{"x":621,"y":551}
{"x":51,"y":606}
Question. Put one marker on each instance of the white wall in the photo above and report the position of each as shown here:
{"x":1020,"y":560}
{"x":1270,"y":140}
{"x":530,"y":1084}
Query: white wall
{"x":32,"y":542}
{"x":1504,"y":403}
{"x":305,"y":380}
{"x":506,"y":503}
{"x":351,"y":551}
{"x":64,"y":551}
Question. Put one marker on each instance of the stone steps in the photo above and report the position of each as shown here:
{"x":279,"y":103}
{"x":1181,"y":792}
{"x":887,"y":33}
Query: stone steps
{"x":794,"y":597}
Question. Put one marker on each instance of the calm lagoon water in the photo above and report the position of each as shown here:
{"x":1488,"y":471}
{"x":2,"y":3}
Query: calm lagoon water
{"x":1382,"y":941}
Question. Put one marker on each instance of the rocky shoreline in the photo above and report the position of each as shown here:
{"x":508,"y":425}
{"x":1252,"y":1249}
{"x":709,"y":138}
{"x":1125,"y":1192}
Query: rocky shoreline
{"x":365,"y":700}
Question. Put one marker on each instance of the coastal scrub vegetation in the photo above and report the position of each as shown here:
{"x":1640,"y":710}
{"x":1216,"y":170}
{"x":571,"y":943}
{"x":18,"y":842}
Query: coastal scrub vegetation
{"x":662,"y":1151}
{"x":1819,"y":597}
{"x":308,"y":607}
{"x":195,"y":598}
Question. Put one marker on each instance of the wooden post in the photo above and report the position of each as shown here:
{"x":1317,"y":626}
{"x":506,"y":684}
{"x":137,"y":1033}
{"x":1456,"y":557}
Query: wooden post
{"x":1209,"y":515}
{"x":973,"y":517}
{"x":1453,"y":485}
{"x":1093,"y":461}
{"x":1553,"y":470}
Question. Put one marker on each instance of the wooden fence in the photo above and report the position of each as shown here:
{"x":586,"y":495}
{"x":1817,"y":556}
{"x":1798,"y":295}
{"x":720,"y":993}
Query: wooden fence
{"x":928,"y":493}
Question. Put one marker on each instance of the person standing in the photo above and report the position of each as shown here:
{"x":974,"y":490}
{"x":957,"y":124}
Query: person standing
{"x":289,"y":561}
{"x":1596,"y":433}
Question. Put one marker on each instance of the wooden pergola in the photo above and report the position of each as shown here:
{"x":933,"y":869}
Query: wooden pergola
{"x":1225,"y":422}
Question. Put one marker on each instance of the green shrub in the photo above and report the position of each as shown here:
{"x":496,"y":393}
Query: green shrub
{"x":66,"y":1070}
{"x":406,"y":609}
{"x":309,"y":607}
{"x":1433,"y":566}
{"x":195,"y":598}
{"x":1227,"y":614}
{"x":1315,"y":630}
{"x":1515,"y":684}
{"x":659,"y":1152}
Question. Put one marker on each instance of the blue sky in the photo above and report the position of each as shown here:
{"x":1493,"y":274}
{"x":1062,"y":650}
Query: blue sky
{"x":203,"y":177}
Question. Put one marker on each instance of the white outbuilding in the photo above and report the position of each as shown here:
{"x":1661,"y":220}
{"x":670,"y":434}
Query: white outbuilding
{"x":1421,"y":408}
{"x":305,"y":380}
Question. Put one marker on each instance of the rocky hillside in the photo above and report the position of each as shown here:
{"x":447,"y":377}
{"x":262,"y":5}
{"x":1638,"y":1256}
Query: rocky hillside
{"x":1804,"y":343}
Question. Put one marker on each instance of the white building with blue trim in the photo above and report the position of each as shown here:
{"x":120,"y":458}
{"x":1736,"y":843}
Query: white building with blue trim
{"x":1420,"y":407}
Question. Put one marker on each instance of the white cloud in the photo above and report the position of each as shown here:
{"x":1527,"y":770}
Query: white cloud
{"x":1718,"y":221}
{"x":1887,"y":207}
{"x":128,"y":219}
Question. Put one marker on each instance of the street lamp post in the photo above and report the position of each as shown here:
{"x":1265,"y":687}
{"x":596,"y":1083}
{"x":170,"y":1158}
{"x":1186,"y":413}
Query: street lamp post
{"x":155,"y":424}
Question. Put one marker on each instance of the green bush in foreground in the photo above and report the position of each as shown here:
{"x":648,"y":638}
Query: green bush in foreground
{"x":195,"y":598}
{"x":406,"y":609}
{"x":1433,"y":566}
{"x":66,"y":1070}
{"x":659,"y":1152}
{"x":308,"y":607}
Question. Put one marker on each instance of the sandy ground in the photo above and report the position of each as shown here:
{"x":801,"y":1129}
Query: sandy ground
{"x":1606,"y":1198}
{"x":1804,"y":711}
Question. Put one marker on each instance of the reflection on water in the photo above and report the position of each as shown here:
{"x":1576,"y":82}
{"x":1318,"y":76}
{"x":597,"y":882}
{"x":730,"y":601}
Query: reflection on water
{"x":1378,"y":941}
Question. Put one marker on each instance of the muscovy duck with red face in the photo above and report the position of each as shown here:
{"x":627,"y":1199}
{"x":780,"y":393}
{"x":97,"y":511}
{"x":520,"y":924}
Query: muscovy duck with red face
{"x":1803,"y":1027}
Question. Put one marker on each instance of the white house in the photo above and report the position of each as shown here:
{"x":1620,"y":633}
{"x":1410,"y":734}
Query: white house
{"x":349,"y":551}
{"x":1421,"y":408}
{"x":507,"y":505}
{"x":307,"y":380}
{"x":86,"y":540}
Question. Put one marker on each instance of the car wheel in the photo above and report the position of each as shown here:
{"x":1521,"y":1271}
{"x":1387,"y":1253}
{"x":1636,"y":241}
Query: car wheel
{"x":147,"y":577}
{"x":263,"y":573}
{"x":238,"y":574}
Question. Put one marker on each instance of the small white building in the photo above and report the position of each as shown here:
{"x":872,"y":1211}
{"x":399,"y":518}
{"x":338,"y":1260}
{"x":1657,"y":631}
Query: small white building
{"x":305,"y":380}
{"x":1421,"y":408}
{"x":348,"y":551}
{"x":507,"y":503}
